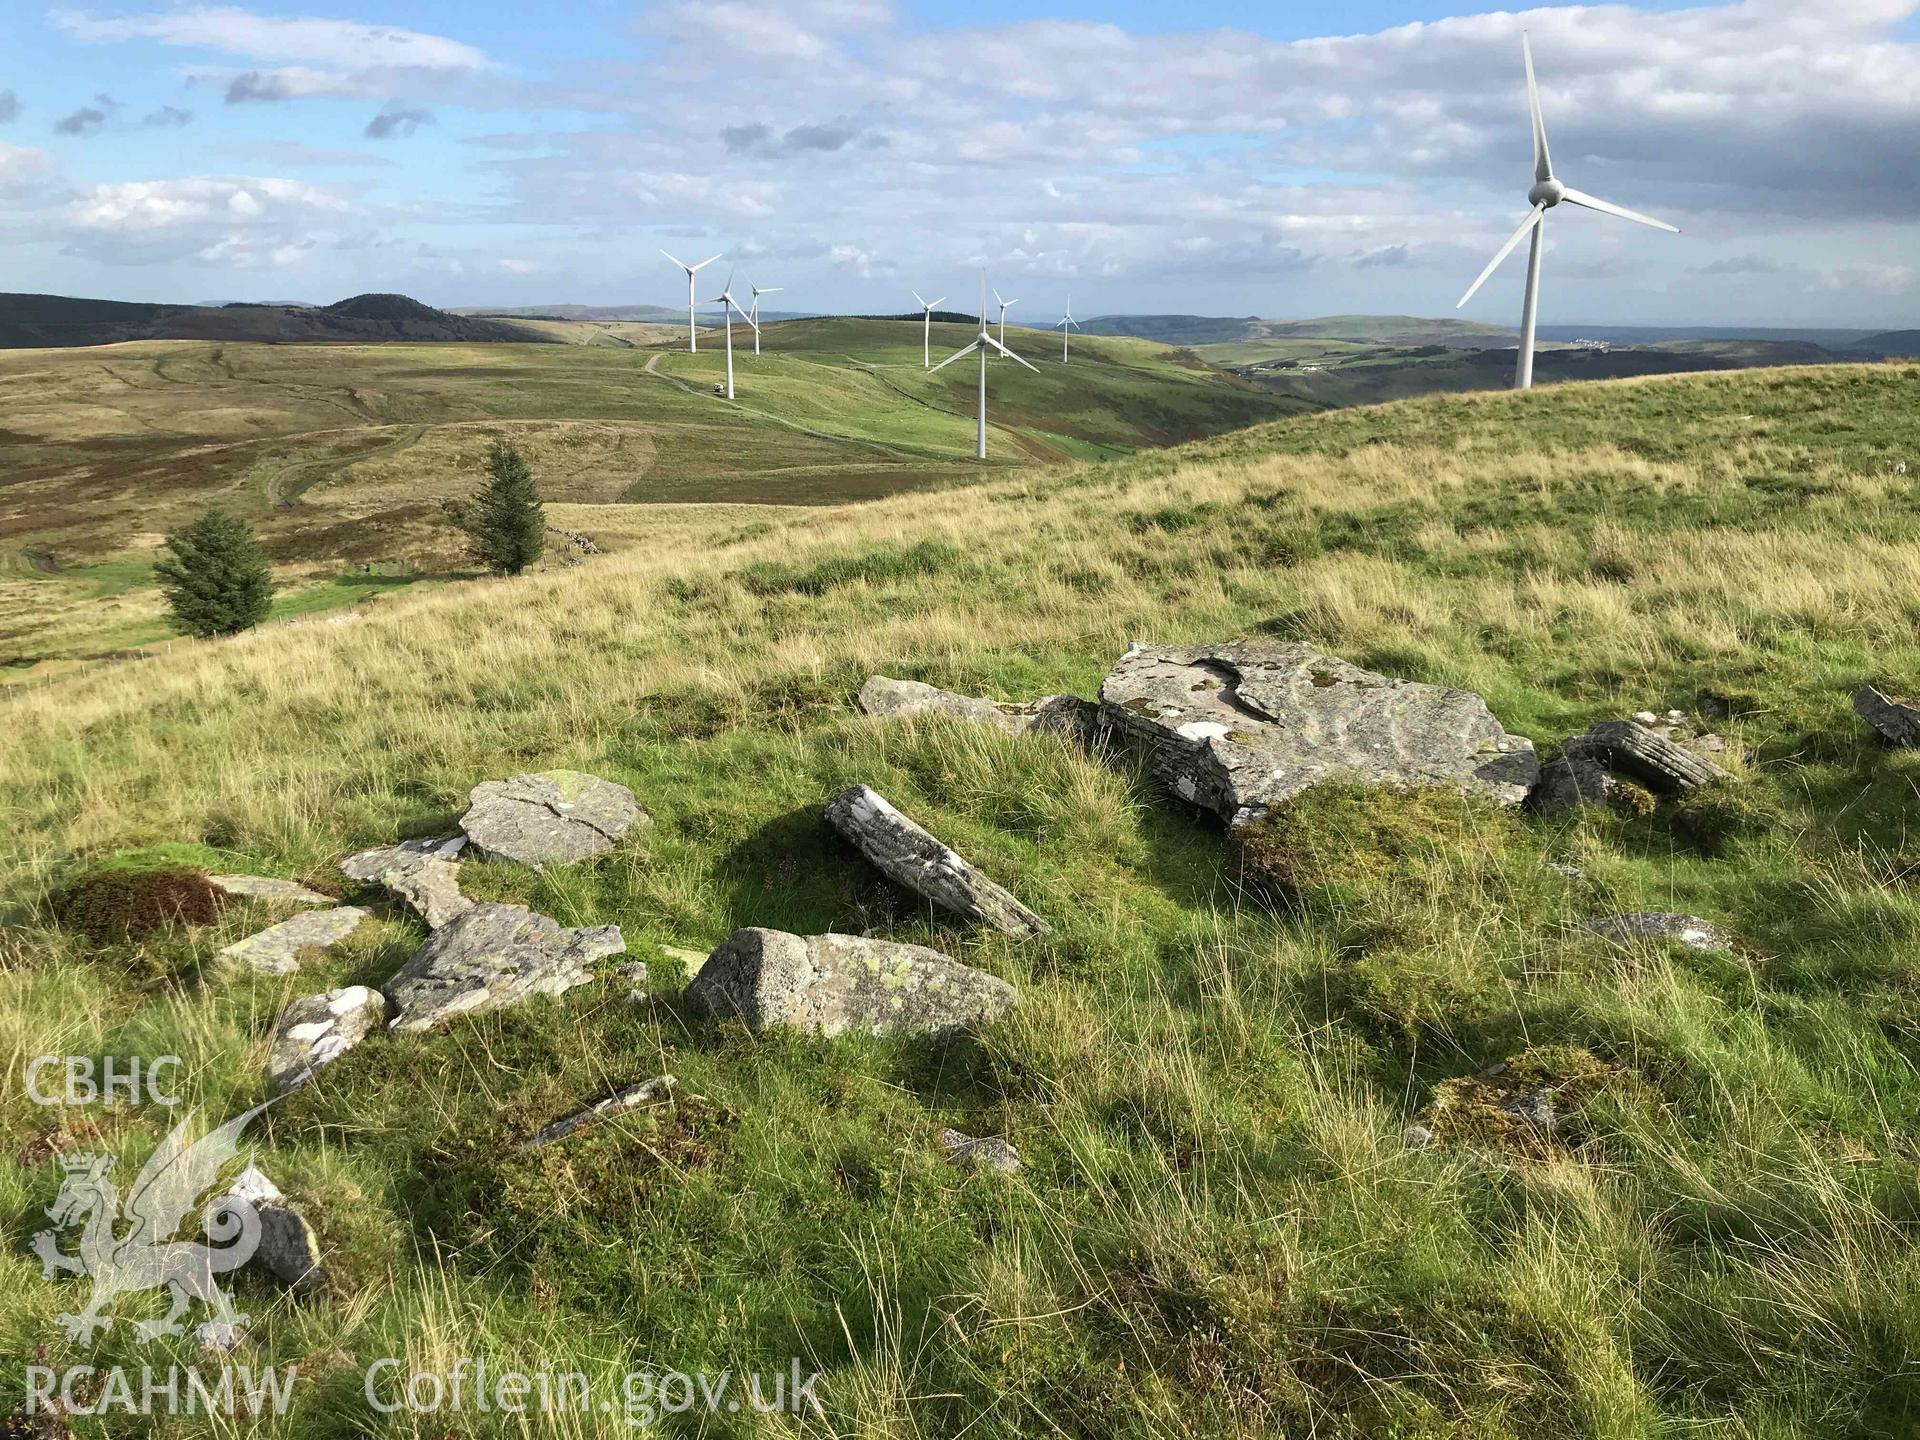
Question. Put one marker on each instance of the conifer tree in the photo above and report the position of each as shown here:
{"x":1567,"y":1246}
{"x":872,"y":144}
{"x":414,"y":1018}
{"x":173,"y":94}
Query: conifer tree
{"x":214,"y":577}
{"x":506,"y":524}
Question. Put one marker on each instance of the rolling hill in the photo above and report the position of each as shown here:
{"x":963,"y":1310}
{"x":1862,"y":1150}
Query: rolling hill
{"x":343,"y":455}
{"x":35,"y":321}
{"x":1397,"y":1148}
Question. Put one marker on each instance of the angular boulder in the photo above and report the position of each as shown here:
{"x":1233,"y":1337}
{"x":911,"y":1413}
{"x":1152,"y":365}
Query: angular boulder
{"x":908,"y":854}
{"x":424,"y":875}
{"x":1895,"y":721}
{"x":1643,"y":754}
{"x":1239,"y":729}
{"x":288,"y":1248}
{"x":276,"y":949}
{"x":553,"y":817}
{"x":885,"y":698}
{"x":492,"y":956}
{"x":1571,"y":781}
{"x":835,"y":984}
{"x":987,"y":1152}
{"x":316,"y":1030}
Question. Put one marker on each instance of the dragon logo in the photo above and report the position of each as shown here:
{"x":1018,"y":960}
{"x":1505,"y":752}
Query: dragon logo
{"x":147,"y":1257}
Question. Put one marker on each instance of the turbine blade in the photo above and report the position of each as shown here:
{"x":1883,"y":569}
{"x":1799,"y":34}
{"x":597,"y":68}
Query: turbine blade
{"x":936,"y":304}
{"x":1526,"y":225}
{"x":998,"y":301}
{"x":1542,"y":160}
{"x":1591,"y":202}
{"x":681,"y":263}
{"x":955,"y":356}
{"x":706,"y":262}
{"x":916,"y":296}
{"x":1004,"y":351}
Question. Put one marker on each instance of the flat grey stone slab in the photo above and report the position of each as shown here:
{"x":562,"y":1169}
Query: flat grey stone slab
{"x":268,"y":889}
{"x":1646,"y":925}
{"x":276,"y":949}
{"x":493,"y":956}
{"x":316,"y":1030}
{"x":552,"y":817}
{"x":906,"y":853}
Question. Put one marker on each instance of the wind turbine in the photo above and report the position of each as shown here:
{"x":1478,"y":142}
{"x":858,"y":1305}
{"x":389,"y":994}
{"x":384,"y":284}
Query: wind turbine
{"x":1005,"y":305}
{"x":926,"y":335}
{"x":753,"y":315}
{"x":693,"y":336}
{"x":1066,"y":325}
{"x":728,"y":305}
{"x":982,"y":342}
{"x":1547,"y":192}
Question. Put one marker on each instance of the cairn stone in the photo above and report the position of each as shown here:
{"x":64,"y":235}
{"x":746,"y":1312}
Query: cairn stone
{"x":836,"y":984}
{"x":1240,"y":729}
{"x":268,"y":890}
{"x":988,"y":1152}
{"x":288,"y":1249}
{"x":1631,"y":749}
{"x":1896,"y":721}
{"x":492,"y":956}
{"x":424,"y":875}
{"x":1654,"y":925}
{"x":885,"y":698}
{"x":908,"y":854}
{"x":276,"y":949}
{"x":553,"y":817}
{"x":316,"y":1030}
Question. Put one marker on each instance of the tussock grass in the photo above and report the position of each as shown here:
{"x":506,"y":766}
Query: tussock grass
{"x":1218,"y":1229}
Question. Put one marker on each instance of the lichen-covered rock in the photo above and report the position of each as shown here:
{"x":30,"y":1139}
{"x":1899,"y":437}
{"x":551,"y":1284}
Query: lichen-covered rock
{"x":1646,"y":925}
{"x":1631,"y":749}
{"x":886,"y":698}
{"x":316,"y":1030}
{"x":1896,"y":721}
{"x":1239,"y":729}
{"x":493,"y":956}
{"x":907,"y":853}
{"x":1570,"y":781}
{"x":833,"y":984}
{"x":424,"y":875}
{"x":988,"y":1152}
{"x":276,"y":949}
{"x":268,"y":890}
{"x":555,"y":816}
{"x":288,"y":1249}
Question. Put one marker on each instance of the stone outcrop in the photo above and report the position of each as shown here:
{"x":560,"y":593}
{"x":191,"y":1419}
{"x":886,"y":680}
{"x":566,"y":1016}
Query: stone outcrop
{"x":644,"y":1093}
{"x":268,"y":890}
{"x":553,"y":817}
{"x":1895,"y":721}
{"x":908,"y":854}
{"x":492,"y":956}
{"x":834,"y":984}
{"x":316,"y":1030}
{"x":1239,"y":729}
{"x":1628,"y":748}
{"x":1655,"y":925}
{"x":276,"y":949}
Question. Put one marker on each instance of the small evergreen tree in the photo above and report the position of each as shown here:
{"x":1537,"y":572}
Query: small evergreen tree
{"x":506,"y":524}
{"x":215,"y":579}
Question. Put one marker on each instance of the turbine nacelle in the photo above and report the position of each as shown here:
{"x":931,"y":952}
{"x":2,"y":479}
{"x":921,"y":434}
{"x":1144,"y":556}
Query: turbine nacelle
{"x":1547,"y":193}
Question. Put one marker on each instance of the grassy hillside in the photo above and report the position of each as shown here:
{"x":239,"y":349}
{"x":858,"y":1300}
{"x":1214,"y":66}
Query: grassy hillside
{"x":1219,"y":1228}
{"x":1206,"y":330}
{"x":39,"y":321}
{"x":342,"y":455}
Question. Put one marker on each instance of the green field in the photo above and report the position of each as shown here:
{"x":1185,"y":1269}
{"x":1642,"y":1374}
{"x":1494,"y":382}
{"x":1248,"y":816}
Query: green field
{"x":1220,"y":1228}
{"x":342,"y":454}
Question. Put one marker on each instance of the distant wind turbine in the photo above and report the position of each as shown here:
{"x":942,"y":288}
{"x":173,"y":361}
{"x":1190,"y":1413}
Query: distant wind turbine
{"x":1066,"y":325}
{"x":753,"y":314}
{"x":982,"y":342}
{"x":693,"y":335}
{"x":728,"y":305}
{"x":1005,"y":305}
{"x":926,"y":335}
{"x":1546,"y":193}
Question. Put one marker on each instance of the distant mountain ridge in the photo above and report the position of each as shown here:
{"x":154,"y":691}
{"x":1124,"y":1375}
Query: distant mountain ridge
{"x":58,"y":321}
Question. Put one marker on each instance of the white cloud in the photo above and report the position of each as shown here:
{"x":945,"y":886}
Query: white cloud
{"x":218,"y":220}
{"x":231,"y":30}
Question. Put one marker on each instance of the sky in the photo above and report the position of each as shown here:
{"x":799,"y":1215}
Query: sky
{"x":1237,"y":157}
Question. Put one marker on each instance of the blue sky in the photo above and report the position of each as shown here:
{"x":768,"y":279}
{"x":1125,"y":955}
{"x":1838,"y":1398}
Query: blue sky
{"x":1284,"y":160}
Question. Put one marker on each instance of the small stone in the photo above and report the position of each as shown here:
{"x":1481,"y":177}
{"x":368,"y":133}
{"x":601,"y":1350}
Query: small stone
{"x":989,"y":1152}
{"x":1896,"y":721}
{"x":493,"y":956}
{"x":288,"y":1249}
{"x":276,"y":950}
{"x":1572,"y":872}
{"x":1646,"y":925}
{"x":316,"y":1030}
{"x":833,"y":984}
{"x":909,"y":855}
{"x":424,"y":875}
{"x":886,"y":698}
{"x":1416,"y":1137}
{"x":1571,"y":781}
{"x":1626,"y":748}
{"x":266,"y":888}
{"x":643,"y":1093}
{"x":367,"y":866}
{"x":219,"y":1337}
{"x":1646,"y":717}
{"x":555,"y":816}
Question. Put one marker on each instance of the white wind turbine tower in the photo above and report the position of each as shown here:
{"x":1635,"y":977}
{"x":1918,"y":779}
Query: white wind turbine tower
{"x":982,"y":342}
{"x":1546,"y":193}
{"x":753,"y":314}
{"x":926,"y":335}
{"x":728,"y":305}
{"x":1066,"y":325}
{"x":693,"y":336}
{"x":1005,"y":305}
